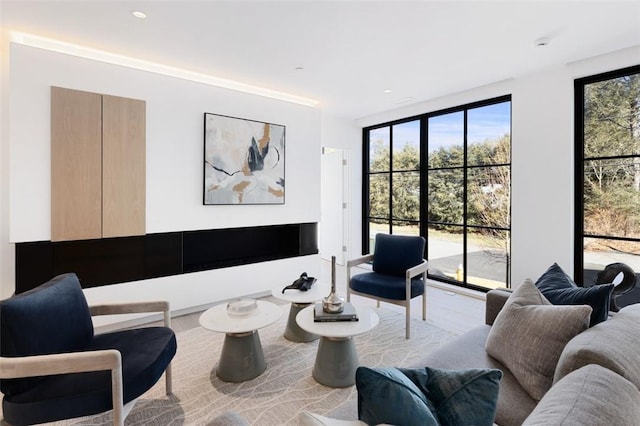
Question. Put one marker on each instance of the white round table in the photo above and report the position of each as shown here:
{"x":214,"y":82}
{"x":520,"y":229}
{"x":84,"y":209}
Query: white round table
{"x":337,"y":358}
{"x":242,"y":357}
{"x":300,"y":300}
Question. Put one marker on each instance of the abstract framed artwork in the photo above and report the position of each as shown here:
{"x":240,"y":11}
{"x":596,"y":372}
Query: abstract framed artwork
{"x":243,"y":161}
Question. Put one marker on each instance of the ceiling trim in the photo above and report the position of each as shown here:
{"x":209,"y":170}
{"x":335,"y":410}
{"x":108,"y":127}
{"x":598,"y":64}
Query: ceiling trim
{"x":126,"y":61}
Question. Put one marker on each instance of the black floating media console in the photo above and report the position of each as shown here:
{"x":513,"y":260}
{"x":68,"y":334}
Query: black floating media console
{"x":115,"y":260}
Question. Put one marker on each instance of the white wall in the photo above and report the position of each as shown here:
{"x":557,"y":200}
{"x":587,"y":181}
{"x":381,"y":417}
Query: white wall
{"x":175,"y":120}
{"x":342,"y":133}
{"x":542,"y":156}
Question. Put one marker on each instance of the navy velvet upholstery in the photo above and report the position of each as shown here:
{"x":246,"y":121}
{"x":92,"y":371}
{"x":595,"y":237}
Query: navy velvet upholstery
{"x":385,"y":286}
{"x":560,"y":289}
{"x":427,"y":396}
{"x":54,"y":318}
{"x":394,"y":254}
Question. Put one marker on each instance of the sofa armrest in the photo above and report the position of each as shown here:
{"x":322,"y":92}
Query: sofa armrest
{"x":496,"y":299}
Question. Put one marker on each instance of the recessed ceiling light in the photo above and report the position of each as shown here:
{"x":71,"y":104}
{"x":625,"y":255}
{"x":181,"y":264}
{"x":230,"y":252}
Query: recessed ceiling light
{"x":139,"y":14}
{"x":542,"y":41}
{"x":387,"y":91}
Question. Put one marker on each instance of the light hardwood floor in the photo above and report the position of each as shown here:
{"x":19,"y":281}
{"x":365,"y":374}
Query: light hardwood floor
{"x":448,"y":308}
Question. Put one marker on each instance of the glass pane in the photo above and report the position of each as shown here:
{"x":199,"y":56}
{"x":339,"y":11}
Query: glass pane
{"x":488,"y":134}
{"x":445,"y":140}
{"x":406,"y":228}
{"x":377,"y":227}
{"x":487,"y":258}
{"x":379,"y":195}
{"x":406,"y":146}
{"x":488,"y":196}
{"x":599,"y":253}
{"x":379,"y":140}
{"x":612,"y":197}
{"x":445,"y":196}
{"x":611,"y":125}
{"x":444,"y":251}
{"x":406,"y":195}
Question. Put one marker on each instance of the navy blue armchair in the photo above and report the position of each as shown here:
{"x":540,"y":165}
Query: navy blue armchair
{"x":399,"y":273}
{"x":53,"y":367}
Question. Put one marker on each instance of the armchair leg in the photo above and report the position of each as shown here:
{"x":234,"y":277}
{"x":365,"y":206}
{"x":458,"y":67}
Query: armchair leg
{"x":424,"y":305}
{"x":168,"y":380}
{"x":407,"y":320}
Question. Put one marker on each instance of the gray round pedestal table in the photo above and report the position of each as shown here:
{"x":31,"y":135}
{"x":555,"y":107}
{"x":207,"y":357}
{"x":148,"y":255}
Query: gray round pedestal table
{"x":242,"y":357}
{"x":337,"y":358}
{"x":300,"y":300}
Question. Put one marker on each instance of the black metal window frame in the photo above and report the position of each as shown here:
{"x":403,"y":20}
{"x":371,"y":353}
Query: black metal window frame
{"x":580,"y":159}
{"x":424,"y":171}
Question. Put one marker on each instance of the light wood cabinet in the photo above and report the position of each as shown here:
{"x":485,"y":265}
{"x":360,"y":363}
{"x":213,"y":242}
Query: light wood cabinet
{"x":98,"y":174}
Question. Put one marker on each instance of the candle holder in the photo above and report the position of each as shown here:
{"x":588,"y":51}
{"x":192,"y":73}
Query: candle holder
{"x":333,"y":304}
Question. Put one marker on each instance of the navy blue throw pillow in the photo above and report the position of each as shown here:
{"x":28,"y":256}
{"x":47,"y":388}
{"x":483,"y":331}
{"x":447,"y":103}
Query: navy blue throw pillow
{"x":560,"y":289}
{"x":427,"y":396}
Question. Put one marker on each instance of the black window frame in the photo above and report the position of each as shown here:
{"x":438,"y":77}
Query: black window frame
{"x":579,"y":111}
{"x":424,"y":171}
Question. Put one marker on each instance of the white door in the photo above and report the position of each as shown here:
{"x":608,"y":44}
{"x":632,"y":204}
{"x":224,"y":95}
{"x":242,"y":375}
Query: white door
{"x":333,"y":210}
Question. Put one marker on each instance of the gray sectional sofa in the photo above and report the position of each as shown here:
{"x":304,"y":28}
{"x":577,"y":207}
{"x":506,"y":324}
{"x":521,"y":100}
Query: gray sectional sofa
{"x":596,"y":379}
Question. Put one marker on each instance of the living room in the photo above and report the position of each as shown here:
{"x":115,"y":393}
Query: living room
{"x":542,"y":127}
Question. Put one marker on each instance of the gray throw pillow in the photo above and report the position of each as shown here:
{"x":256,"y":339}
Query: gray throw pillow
{"x":529,"y":335}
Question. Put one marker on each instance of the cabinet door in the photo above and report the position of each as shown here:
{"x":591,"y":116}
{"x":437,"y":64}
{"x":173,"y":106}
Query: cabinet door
{"x":123,"y":166}
{"x":76,"y":165}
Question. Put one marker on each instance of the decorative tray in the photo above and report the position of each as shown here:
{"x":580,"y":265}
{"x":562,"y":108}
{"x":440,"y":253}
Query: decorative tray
{"x":241,"y":307}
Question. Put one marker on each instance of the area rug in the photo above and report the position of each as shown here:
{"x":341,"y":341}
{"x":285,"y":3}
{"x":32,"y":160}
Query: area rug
{"x":284,"y":390}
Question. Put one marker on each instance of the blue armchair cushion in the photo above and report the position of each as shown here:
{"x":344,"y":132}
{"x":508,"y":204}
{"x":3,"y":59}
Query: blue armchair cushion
{"x":386,"y":286}
{"x":146,"y":352}
{"x":394,"y":254}
{"x":51,"y":318}
{"x":427,"y":396}
{"x":560,"y":289}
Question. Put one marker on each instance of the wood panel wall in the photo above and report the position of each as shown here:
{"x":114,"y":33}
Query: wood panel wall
{"x":76,"y":165}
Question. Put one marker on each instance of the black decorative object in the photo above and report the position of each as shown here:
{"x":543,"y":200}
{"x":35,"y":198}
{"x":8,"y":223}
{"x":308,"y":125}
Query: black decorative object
{"x":621,"y":276}
{"x":303,"y":283}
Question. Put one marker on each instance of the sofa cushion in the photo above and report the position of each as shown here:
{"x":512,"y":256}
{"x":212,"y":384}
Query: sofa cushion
{"x":560,"y":289}
{"x":460,"y":397}
{"x":529,"y":335}
{"x":427,"y":395}
{"x":591,"y":395}
{"x":468,"y":351}
{"x":612,"y":344}
{"x":385,"y":395}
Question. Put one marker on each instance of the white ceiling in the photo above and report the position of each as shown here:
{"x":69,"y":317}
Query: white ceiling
{"x":351,"y":51}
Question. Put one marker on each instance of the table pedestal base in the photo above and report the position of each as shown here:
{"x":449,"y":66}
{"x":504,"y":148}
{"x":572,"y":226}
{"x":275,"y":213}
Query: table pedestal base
{"x":293,"y":332}
{"x":336,"y":362}
{"x":242,"y":358}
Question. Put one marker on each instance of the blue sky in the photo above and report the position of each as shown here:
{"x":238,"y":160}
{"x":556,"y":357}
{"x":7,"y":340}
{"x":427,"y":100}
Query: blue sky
{"x":489,"y":122}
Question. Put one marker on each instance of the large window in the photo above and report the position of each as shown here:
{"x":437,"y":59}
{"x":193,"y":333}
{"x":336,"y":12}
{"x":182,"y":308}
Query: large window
{"x":446,"y":176}
{"x":608,"y":174}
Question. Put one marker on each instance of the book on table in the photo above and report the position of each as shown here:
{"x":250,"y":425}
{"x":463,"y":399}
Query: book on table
{"x":348,"y":314}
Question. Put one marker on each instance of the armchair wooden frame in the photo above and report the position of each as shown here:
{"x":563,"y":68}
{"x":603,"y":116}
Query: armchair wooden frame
{"x":420,"y":269}
{"x":79,"y":362}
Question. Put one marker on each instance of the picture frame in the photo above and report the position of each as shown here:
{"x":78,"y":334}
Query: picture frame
{"x":244,"y":161}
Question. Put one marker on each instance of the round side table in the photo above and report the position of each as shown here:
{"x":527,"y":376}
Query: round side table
{"x":242,"y":357}
{"x":337,"y":358}
{"x":300,"y":300}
